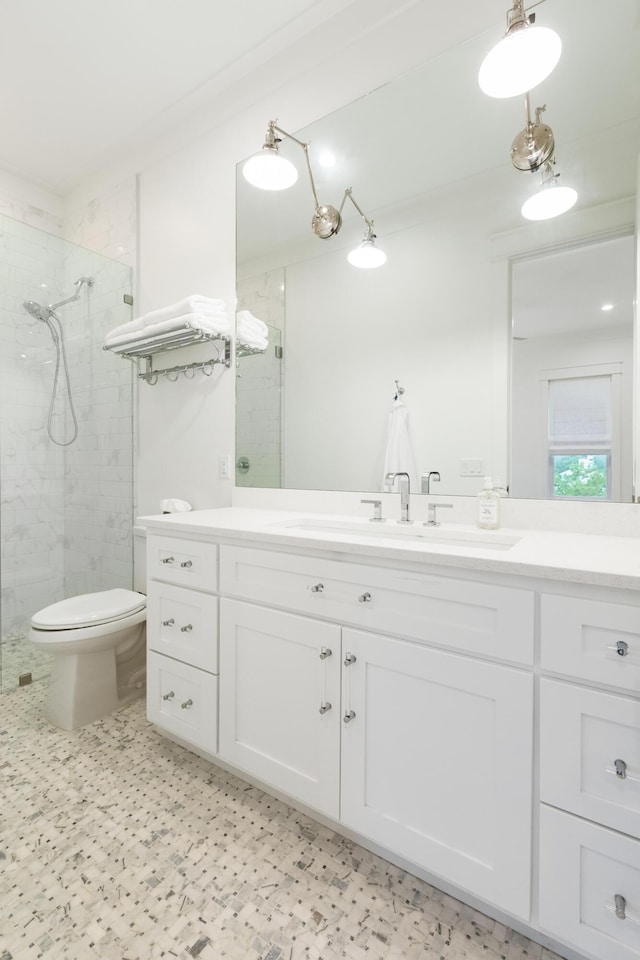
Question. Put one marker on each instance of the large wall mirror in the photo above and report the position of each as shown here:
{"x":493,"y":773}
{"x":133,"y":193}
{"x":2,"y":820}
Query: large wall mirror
{"x":512,"y":340}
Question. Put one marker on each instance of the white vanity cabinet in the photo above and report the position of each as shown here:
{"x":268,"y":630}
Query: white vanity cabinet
{"x":590,"y":775}
{"x":427,"y":748}
{"x":182,"y":639}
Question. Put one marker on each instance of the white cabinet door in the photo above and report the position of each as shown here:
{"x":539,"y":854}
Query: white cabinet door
{"x":280,"y":701}
{"x":437,"y":763}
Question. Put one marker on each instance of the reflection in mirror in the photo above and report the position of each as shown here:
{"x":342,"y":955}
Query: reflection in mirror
{"x":446,"y":202}
{"x":572,"y":372}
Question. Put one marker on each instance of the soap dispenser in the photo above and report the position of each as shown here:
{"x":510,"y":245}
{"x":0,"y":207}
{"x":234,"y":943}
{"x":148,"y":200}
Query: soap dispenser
{"x":488,"y":506}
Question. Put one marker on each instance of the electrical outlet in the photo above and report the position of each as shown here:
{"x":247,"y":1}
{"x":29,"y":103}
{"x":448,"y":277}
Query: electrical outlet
{"x":472,"y":468}
{"x":224,"y":467}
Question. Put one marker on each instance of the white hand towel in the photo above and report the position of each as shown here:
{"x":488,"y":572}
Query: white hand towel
{"x":399,"y":453}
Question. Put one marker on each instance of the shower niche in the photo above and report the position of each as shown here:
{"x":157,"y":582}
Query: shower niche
{"x":66,"y":434}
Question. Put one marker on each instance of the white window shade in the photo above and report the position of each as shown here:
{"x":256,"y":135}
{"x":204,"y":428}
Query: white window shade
{"x":580,"y":413}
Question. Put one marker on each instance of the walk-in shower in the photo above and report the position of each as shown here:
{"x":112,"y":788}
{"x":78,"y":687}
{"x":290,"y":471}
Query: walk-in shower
{"x":66,"y":509}
{"x":49,"y":316}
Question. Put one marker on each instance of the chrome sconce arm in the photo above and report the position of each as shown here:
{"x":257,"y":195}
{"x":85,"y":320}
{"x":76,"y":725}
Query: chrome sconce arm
{"x":270,"y":171}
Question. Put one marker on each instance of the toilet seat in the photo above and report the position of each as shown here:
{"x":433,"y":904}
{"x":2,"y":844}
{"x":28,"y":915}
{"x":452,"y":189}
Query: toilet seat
{"x":89,"y":610}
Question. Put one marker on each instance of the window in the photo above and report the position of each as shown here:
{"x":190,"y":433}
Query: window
{"x":580,"y":442}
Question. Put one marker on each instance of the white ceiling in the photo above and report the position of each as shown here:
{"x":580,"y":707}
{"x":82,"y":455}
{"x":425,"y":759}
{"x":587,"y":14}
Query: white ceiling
{"x":83,"y":78}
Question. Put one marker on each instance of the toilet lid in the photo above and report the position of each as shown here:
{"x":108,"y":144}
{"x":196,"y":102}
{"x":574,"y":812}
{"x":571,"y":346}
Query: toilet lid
{"x":89,"y":609}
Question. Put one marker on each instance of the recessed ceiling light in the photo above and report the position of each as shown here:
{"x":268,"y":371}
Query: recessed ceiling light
{"x":606,"y":306}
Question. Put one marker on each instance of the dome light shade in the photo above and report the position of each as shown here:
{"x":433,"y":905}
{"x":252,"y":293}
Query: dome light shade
{"x":269,"y":171}
{"x":520,"y":61}
{"x":366,"y":255}
{"x":550,"y":201}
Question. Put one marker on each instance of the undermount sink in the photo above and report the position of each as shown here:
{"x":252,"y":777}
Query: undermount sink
{"x":413,"y":532}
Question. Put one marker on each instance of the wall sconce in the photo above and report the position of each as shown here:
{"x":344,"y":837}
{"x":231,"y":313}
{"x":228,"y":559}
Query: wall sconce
{"x":534,"y":145}
{"x":267,"y":170}
{"x":533,"y":150}
{"x":550,"y":200}
{"x":524,"y":57}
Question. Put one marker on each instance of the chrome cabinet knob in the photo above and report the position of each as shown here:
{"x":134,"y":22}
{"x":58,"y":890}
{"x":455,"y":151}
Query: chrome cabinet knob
{"x":621,"y":906}
{"x":317,"y":588}
{"x":349,"y":659}
{"x":187,"y":628}
{"x":349,"y":716}
{"x":325,"y":652}
{"x":365,"y":598}
{"x":622,"y":648}
{"x":168,"y":623}
{"x":325,"y":707}
{"x":186,"y":704}
{"x":168,"y":560}
{"x":169,"y":696}
{"x":186,"y":563}
{"x":621,"y":769}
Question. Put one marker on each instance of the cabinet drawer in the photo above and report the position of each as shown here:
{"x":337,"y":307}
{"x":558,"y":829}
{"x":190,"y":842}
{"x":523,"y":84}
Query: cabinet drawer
{"x":476,"y":618}
{"x":183,"y":624}
{"x":188,"y":563}
{"x":591,"y":640}
{"x":584,"y":735}
{"x":583,"y":869}
{"x":183,"y":700}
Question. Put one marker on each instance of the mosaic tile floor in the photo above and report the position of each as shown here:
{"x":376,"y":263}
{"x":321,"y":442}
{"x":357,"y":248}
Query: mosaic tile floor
{"x":116,"y":844}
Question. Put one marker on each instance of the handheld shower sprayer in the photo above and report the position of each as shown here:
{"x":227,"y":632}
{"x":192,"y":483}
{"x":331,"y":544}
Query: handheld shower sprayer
{"x":49,"y":316}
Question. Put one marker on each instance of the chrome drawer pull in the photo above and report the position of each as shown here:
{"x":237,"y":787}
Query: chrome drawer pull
{"x":186,"y":704}
{"x":169,"y":696}
{"x":318,"y":588}
{"x":168,"y":560}
{"x":168,"y":623}
{"x":621,"y":769}
{"x":349,"y":716}
{"x":621,"y":648}
{"x":186,"y":629}
{"x":365,"y":598}
{"x":324,"y":653}
{"x":349,"y":659}
{"x":325,"y":707}
{"x":186,"y":563}
{"x":621,"y":906}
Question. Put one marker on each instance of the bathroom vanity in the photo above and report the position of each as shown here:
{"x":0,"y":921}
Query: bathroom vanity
{"x":465,"y":702}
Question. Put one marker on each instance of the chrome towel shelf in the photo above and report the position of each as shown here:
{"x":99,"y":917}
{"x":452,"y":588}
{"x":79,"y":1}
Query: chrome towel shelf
{"x":147,"y":347}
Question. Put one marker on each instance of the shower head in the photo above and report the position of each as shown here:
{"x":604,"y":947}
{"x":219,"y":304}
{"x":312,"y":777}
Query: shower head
{"x":37,"y":311}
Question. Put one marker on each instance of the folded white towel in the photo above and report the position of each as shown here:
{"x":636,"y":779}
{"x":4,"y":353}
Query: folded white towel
{"x":215,"y":326}
{"x":203,"y":306}
{"x":246,"y":322}
{"x":398,"y":456}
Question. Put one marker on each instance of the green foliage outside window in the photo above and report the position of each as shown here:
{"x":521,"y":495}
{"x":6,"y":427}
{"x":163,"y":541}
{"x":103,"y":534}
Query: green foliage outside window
{"x":580,"y":476}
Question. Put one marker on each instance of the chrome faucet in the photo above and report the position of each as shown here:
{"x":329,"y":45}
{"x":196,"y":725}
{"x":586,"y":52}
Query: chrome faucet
{"x":425,"y":481}
{"x":405,"y":493}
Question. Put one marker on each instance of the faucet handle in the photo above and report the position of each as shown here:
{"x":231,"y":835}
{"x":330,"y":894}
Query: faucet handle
{"x":432,"y":521}
{"x":377,"y":510}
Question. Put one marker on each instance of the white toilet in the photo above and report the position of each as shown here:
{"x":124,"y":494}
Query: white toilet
{"x":98,"y":644}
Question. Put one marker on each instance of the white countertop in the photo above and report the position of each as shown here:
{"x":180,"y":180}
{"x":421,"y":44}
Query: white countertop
{"x":575,"y":558}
